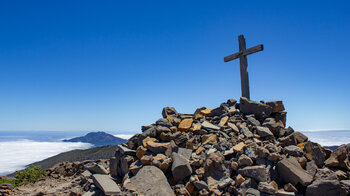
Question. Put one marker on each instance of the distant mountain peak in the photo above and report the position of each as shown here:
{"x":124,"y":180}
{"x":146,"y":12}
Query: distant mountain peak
{"x":99,"y":138}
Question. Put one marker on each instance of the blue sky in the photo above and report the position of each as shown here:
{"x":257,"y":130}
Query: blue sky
{"x":113,"y":65}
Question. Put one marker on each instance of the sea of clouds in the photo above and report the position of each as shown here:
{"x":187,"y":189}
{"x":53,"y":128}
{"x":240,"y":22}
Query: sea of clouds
{"x":15,"y":155}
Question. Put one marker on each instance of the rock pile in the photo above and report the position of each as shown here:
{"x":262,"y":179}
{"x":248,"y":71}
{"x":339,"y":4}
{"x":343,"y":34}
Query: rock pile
{"x":236,"y":149}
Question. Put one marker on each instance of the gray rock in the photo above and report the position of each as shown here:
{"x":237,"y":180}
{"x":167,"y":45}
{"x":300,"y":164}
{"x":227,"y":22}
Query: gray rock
{"x":311,"y":168}
{"x":266,"y":188}
{"x":317,"y":152}
{"x":244,"y":160}
{"x":252,"y":192}
{"x":149,"y":181}
{"x":339,"y":158}
{"x":106,"y":184}
{"x":185,"y":152}
{"x":257,"y":172}
{"x":293,"y":151}
{"x":208,"y":125}
{"x":151,"y":132}
{"x":200,"y":185}
{"x":113,"y":166}
{"x":180,"y":168}
{"x":224,"y":182}
{"x":246,"y":132}
{"x":95,"y":168}
{"x":218,"y":111}
{"x":291,"y":171}
{"x":253,"y":121}
{"x":325,"y":188}
{"x":164,"y":122}
{"x":299,"y":137}
{"x":277,"y":106}
{"x":169,"y":111}
{"x":263,"y":131}
{"x":125,"y":151}
{"x":260,"y":110}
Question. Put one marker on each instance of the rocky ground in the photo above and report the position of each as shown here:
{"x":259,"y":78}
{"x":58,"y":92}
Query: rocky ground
{"x":236,"y":149}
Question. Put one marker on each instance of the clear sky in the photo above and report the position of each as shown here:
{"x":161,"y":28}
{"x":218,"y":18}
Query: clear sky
{"x":113,"y":65}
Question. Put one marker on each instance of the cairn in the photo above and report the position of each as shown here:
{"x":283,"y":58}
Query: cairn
{"x":236,"y":149}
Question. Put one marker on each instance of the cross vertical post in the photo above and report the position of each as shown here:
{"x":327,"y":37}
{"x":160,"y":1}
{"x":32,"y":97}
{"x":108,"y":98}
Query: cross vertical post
{"x":242,"y":55}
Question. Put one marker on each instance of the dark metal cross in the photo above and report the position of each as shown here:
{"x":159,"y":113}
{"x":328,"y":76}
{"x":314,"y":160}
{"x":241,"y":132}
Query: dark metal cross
{"x":242,"y":55}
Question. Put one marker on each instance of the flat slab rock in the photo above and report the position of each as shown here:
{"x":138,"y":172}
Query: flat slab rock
{"x":106,"y":184}
{"x":150,"y":181}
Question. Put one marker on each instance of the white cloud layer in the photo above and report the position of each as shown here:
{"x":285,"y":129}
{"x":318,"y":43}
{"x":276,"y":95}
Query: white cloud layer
{"x":15,"y":155}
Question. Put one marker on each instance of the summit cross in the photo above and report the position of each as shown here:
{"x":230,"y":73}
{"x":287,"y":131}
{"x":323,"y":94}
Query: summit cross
{"x":242,"y":55}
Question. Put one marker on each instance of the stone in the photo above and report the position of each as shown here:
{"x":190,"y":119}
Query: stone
{"x":293,"y":151}
{"x":150,"y":181}
{"x":252,"y":121}
{"x":113,"y":167}
{"x":234,"y":166}
{"x":197,"y":127}
{"x":147,"y":139}
{"x":181,"y":167}
{"x":233,"y":127}
{"x":206,"y":111}
{"x":266,"y":188}
{"x":299,"y":137}
{"x":311,"y":168}
{"x":246,"y":132}
{"x":185,"y":124}
{"x":260,"y":110}
{"x":277,"y":106}
{"x":140,"y":151}
{"x":146,"y":160}
{"x":317,"y":153}
{"x":274,"y":157}
{"x":217,"y":111}
{"x":252,"y":192}
{"x":185,"y":152}
{"x":239,"y":179}
{"x":164,"y":123}
{"x":290,"y":188}
{"x":239,"y":147}
{"x":225,"y":182}
{"x":274,"y":185}
{"x":325,"y":188}
{"x":256,"y":172}
{"x":263,"y":131}
{"x":150,"y":132}
{"x":95,"y":168}
{"x":209,"y":139}
{"x":169,"y":111}
{"x":156,"y":147}
{"x":200,"y":185}
{"x":223,"y":121}
{"x":293,"y":172}
{"x":106,"y":184}
{"x":125,"y":151}
{"x":199,"y":150}
{"x":339,"y":158}
{"x":208,"y":125}
{"x":244,"y":160}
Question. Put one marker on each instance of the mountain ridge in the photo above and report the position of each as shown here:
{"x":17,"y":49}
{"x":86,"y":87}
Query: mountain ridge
{"x":99,"y":138}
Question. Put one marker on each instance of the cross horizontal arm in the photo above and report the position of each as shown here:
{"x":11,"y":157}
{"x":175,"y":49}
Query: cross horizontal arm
{"x":244,"y":53}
